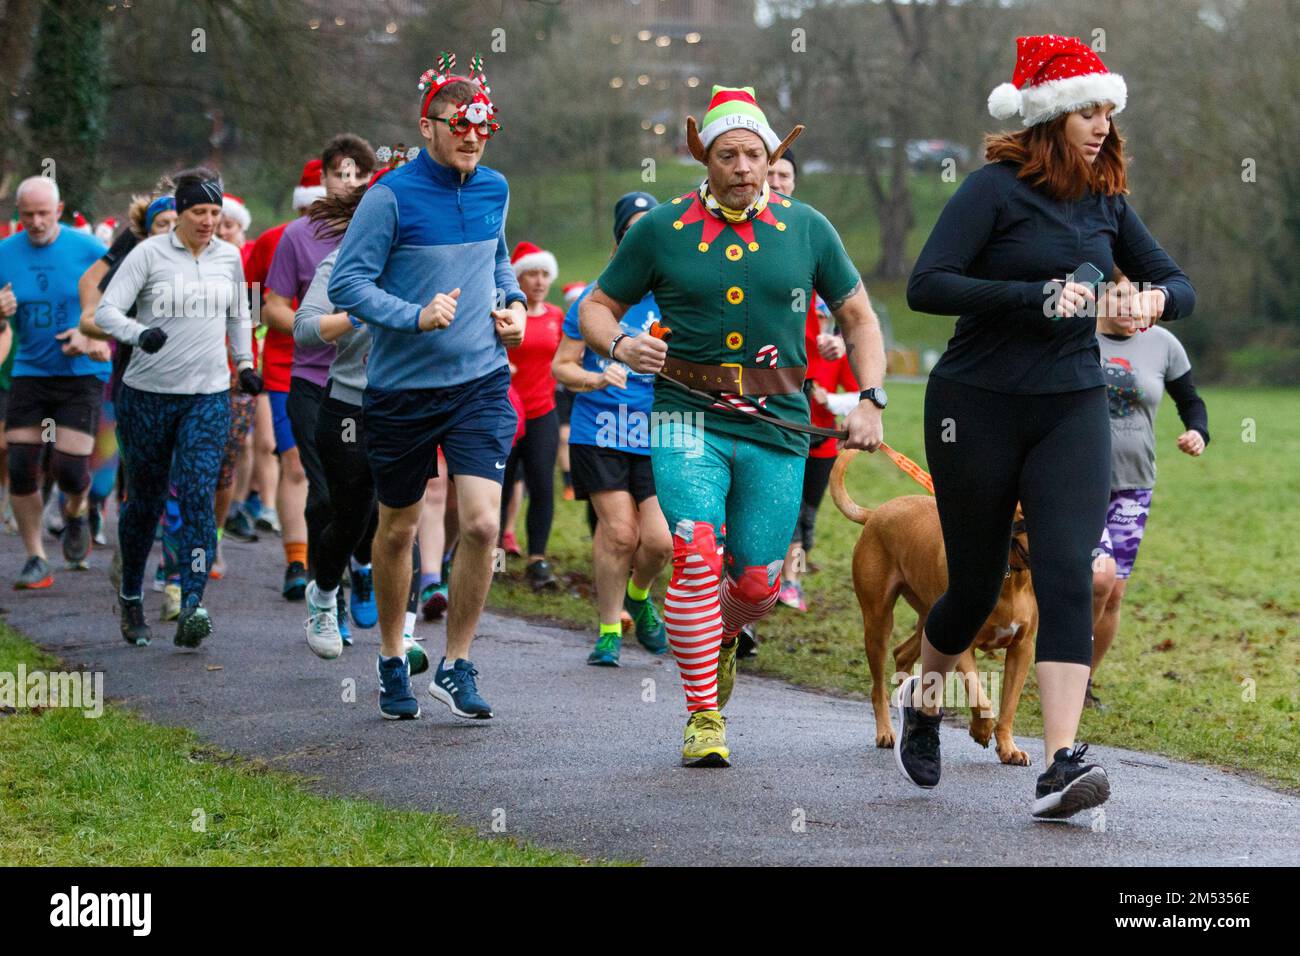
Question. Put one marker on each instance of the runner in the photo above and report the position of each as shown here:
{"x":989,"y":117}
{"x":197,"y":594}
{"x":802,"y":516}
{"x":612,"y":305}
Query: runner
{"x":174,"y":399}
{"x":535,"y":453}
{"x":272,"y":431}
{"x":564,"y":404}
{"x":1138,"y":369}
{"x":346,"y":162}
{"x":58,"y":375}
{"x":612,"y":470}
{"x":726,"y":263}
{"x":1015,"y":410}
{"x":437,"y":369}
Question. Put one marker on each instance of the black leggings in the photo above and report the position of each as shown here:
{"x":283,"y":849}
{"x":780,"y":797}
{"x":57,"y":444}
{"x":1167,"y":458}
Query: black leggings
{"x":816,"y":476}
{"x":536,"y":452}
{"x":353,"y":513}
{"x":986,"y":451}
{"x":302,"y":407}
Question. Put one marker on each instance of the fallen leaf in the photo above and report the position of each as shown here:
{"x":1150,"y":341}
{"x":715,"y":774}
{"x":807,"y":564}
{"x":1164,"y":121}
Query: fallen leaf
{"x":1166,"y":645}
{"x":216,"y":667}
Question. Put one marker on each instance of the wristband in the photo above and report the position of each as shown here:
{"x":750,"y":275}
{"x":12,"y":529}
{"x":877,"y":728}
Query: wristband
{"x":614,"y":344}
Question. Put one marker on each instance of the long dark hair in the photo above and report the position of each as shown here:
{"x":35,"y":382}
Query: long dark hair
{"x":1048,"y":161}
{"x":332,"y":214}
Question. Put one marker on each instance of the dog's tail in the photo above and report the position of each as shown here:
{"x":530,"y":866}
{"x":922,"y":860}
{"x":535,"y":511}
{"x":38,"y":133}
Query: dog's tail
{"x":840,"y":495}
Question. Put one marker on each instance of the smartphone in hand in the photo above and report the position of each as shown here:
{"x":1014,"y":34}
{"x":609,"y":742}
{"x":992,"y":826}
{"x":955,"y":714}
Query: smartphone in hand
{"x":1086,"y":274}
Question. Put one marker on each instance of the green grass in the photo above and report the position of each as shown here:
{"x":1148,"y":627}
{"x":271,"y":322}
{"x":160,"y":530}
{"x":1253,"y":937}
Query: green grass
{"x":118,"y":791}
{"x":1214,"y":603}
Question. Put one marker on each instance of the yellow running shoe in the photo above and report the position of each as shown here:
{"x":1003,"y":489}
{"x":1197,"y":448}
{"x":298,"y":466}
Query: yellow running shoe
{"x":726,"y":671}
{"x":171,"y":609}
{"x":704,"y":741}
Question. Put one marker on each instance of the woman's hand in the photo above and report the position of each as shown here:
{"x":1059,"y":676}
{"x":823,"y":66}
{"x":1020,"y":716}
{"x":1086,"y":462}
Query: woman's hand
{"x":1073,"y":299}
{"x":614,"y":376}
{"x":1191,"y":443}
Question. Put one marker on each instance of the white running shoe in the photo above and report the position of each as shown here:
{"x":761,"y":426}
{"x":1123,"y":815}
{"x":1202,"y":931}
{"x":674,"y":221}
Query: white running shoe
{"x":268,"y":520}
{"x":171,"y":607}
{"x":53,"y":514}
{"x":322,"y":627}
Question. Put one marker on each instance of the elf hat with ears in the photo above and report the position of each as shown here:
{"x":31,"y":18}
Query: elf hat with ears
{"x":1055,"y":75}
{"x":734,"y":108}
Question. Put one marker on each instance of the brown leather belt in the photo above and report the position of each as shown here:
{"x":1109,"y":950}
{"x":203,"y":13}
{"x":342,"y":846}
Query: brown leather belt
{"x":736,"y":379}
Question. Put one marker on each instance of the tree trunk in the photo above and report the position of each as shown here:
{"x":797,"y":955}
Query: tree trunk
{"x":15,"y":54}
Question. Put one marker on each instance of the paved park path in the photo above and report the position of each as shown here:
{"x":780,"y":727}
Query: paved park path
{"x":586,"y":759}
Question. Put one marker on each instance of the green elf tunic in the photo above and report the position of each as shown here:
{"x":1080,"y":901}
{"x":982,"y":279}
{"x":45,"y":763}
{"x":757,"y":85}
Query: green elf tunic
{"x":734,"y":293}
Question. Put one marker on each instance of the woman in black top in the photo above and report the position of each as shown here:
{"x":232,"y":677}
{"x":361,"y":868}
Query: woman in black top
{"x":1015,"y":410}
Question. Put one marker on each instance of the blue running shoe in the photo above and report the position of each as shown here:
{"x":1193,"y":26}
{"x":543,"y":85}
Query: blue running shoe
{"x":456,"y":687}
{"x":365,"y":613}
{"x":345,"y":632}
{"x":295,"y":581}
{"x":396,"y":702}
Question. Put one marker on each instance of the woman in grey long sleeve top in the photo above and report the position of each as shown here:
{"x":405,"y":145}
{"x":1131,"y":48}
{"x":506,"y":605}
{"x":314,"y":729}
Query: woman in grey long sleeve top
{"x":173,"y":411}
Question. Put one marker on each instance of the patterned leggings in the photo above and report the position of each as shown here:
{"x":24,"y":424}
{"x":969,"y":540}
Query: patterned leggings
{"x":725,"y":491}
{"x":180,"y":437}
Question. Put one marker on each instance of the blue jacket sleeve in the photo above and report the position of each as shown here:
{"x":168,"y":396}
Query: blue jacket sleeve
{"x":506,"y":280}
{"x":1142,"y":259}
{"x":362,"y":258}
{"x":939,"y":284}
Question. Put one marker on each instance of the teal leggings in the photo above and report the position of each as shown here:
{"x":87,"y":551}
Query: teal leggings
{"x":753,"y":490}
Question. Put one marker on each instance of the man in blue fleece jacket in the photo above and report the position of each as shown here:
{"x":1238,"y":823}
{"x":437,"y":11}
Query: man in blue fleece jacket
{"x":425,"y":266}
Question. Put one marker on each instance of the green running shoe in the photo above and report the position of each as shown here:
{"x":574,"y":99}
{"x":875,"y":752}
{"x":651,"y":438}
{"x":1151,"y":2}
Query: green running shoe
{"x":605,"y":653}
{"x":192,"y":627}
{"x":650,"y":630}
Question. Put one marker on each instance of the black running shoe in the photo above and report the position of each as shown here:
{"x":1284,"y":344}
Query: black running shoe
{"x":131,"y":621}
{"x":1070,"y":785}
{"x":916,"y":748}
{"x":295,"y":581}
{"x":76,"y":542}
{"x":240,"y":526}
{"x":748,"y":638}
{"x":539,"y":575}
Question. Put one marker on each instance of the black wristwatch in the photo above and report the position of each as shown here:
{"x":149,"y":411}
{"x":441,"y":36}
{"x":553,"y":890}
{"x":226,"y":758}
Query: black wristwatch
{"x":876,"y":396}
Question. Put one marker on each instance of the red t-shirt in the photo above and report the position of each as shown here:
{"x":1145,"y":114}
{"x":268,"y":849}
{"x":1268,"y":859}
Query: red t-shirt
{"x":830,"y":376}
{"x":517,"y":404}
{"x":532,"y":361}
{"x":277,"y":349}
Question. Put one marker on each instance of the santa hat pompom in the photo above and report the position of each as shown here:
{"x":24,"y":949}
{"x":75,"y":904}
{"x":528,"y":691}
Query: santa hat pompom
{"x":1004,"y":101}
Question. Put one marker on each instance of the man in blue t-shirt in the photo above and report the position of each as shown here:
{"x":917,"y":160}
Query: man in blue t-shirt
{"x":58,"y":373}
{"x":609,"y":453}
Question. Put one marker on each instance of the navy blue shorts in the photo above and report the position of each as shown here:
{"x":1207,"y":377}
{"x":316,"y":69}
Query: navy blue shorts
{"x":473,"y":423}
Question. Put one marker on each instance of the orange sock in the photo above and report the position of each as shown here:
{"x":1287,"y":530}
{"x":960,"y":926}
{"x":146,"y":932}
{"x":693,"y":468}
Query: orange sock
{"x":295,"y":551}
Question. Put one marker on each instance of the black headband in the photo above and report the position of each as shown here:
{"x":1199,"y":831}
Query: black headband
{"x":198,"y":194}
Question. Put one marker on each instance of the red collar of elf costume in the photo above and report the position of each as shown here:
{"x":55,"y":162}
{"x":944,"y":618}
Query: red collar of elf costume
{"x":698,"y":210}
{"x":478,"y":113}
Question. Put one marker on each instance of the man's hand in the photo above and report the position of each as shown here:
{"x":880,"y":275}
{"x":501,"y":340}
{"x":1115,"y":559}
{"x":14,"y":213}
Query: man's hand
{"x":8,"y":301}
{"x":440,"y":311}
{"x":866,"y":430}
{"x":645,"y":353}
{"x":830,"y":347}
{"x":151,"y":340}
{"x":74,"y":343}
{"x":614,"y":376}
{"x":1190,"y":442}
{"x":510,"y":323}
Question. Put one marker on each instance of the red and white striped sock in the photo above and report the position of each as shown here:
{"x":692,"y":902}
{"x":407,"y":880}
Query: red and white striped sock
{"x":691,"y":614}
{"x":749,"y":599}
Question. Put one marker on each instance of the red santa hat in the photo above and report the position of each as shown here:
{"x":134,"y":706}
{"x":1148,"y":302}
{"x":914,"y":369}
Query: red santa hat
{"x":234,"y":207}
{"x":527,"y":257}
{"x":104,"y":231}
{"x":1055,"y":75}
{"x":572,"y":290}
{"x":81,"y":224}
{"x":309,"y":187}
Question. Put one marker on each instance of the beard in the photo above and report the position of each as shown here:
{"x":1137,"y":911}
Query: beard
{"x":738,"y":196}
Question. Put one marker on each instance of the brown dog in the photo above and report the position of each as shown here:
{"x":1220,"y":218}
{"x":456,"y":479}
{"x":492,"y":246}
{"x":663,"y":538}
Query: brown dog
{"x":900,"y":553}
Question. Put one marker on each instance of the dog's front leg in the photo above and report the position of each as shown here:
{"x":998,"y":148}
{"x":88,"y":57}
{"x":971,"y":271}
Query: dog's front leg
{"x":1014,"y":672}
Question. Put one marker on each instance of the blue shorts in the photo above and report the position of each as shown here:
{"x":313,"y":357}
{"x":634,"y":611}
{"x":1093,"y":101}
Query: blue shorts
{"x":473,"y":423}
{"x":280,"y":422}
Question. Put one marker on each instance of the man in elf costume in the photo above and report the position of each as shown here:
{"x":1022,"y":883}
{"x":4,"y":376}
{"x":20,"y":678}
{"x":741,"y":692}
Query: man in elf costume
{"x":733,"y":266}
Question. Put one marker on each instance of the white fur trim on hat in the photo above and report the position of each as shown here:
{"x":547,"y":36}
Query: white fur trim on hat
{"x":732,"y":121}
{"x":537,"y":260}
{"x":304,"y":196}
{"x":1049,"y":100}
{"x":1004,"y":101}
{"x":237,"y":211}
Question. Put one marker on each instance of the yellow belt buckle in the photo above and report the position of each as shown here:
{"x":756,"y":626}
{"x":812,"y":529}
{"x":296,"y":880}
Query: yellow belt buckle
{"x":740,"y":375}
